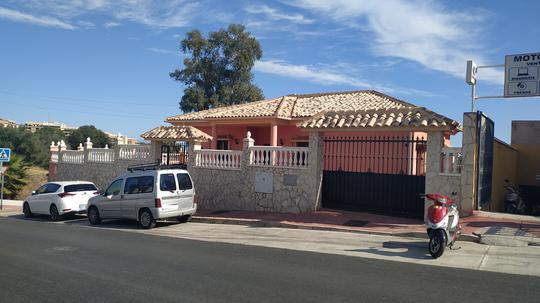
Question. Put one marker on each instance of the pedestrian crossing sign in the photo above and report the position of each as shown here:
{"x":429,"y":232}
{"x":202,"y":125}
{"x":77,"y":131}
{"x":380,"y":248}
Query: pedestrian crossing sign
{"x":5,"y":154}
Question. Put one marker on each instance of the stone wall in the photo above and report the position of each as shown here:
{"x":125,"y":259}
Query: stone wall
{"x":97,"y":165}
{"x":295,"y":190}
{"x":468,"y":176}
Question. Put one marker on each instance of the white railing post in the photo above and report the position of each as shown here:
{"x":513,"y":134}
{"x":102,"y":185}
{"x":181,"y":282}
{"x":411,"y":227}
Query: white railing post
{"x":279,"y":156}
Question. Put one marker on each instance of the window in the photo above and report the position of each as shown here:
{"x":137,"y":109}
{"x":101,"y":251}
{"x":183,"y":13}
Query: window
{"x":167,"y":182}
{"x":41,"y":189}
{"x":223,"y":144}
{"x":302,"y":144}
{"x":79,"y":187}
{"x":51,"y":188}
{"x":114,"y":188}
{"x":184,"y":182}
{"x":139,"y":185}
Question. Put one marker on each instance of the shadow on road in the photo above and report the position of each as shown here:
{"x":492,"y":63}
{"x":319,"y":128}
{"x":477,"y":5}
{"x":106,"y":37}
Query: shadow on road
{"x":83,"y":221}
{"x":411,"y":250}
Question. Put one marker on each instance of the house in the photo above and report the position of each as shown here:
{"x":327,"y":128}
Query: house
{"x":286,"y":120}
{"x":361,"y":150}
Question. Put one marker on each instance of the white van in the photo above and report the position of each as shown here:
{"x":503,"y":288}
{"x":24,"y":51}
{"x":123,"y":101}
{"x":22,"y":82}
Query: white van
{"x":146,"y":195}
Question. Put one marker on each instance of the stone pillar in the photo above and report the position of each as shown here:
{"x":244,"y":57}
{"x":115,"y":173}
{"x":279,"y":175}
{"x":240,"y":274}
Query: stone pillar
{"x":53,"y":166}
{"x":435,"y":143}
{"x":315,"y":167}
{"x":192,"y":155}
{"x":62,"y":146}
{"x":248,"y":142}
{"x":155,"y":150}
{"x":80,"y":147}
{"x":468,"y":174}
{"x":88,"y":144}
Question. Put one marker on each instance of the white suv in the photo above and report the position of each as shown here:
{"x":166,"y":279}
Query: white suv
{"x":59,"y":198}
{"x":146,"y":195}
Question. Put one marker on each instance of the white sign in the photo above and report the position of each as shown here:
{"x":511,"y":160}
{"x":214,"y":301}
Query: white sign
{"x":521,"y":75}
{"x":470,"y":76}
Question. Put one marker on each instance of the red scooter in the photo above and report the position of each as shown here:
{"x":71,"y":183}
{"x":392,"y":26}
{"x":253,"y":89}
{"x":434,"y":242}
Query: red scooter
{"x":442,"y":222}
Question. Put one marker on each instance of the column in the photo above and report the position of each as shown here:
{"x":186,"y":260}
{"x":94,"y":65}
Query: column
{"x":468,"y":175}
{"x":214,"y":137}
{"x":273,"y":134}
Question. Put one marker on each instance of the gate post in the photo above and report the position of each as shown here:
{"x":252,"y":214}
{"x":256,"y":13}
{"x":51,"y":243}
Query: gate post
{"x":315,"y":166}
{"x":468,"y":176}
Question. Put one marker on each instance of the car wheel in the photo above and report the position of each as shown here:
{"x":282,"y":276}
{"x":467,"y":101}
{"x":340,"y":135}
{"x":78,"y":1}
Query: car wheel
{"x":146,"y":220}
{"x":26,"y":210}
{"x":184,"y":219}
{"x":53,"y":211}
{"x":93,"y":216}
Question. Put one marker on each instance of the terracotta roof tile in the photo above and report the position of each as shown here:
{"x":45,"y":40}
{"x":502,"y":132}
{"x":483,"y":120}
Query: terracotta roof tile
{"x":176,"y":133}
{"x":418,"y":118}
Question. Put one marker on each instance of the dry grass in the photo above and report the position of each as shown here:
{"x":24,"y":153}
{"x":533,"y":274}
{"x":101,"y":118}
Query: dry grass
{"x":36,"y":177}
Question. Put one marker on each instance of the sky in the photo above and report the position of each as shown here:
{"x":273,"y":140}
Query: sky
{"x":107,"y":63}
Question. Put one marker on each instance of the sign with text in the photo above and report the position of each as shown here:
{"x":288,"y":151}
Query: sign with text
{"x":521,"y":74}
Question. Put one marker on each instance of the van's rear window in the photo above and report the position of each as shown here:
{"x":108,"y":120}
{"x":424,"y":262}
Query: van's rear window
{"x":79,"y":187}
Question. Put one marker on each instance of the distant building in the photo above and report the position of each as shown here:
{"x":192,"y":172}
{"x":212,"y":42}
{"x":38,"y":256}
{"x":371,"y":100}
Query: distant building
{"x":8,"y":123}
{"x":35,"y":126}
{"x":121,"y":139}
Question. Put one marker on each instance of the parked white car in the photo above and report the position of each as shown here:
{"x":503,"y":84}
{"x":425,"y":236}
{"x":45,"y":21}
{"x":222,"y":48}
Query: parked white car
{"x":57,"y":199}
{"x":146,"y":196}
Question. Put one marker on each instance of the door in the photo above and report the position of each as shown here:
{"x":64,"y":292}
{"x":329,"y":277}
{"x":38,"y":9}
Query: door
{"x":36,"y":201}
{"x":138,"y":192}
{"x":168,"y":192}
{"x":109,"y":204}
{"x":46,"y":197}
{"x":185,"y":191}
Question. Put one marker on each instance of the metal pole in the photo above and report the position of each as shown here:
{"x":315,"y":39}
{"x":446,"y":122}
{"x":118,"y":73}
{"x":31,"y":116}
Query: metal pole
{"x":2,"y":190}
{"x":473,"y":97}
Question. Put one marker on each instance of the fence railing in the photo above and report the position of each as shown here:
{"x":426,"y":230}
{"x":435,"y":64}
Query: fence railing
{"x":223,"y":159}
{"x":451,"y":160}
{"x":278,"y":156}
{"x":134,"y":152}
{"x":101,"y":155}
{"x":72,"y":156}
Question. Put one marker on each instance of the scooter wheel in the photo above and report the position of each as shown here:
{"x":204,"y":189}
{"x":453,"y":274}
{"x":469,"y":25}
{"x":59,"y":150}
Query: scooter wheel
{"x":437,"y":244}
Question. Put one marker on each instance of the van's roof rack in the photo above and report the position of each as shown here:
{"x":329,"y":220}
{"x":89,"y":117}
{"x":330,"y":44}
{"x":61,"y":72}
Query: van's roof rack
{"x":154,"y":166}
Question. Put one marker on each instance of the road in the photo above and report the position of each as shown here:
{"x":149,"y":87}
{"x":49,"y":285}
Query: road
{"x":47,"y":262}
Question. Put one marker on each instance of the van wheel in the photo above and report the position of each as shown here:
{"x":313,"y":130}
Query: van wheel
{"x":26,"y":210}
{"x":146,"y":220}
{"x":184,"y":219}
{"x":93,"y":216}
{"x":53,"y":211}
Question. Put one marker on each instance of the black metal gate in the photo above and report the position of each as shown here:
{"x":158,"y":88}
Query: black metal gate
{"x":379,"y":174}
{"x":484,"y":166}
{"x":175,"y":153}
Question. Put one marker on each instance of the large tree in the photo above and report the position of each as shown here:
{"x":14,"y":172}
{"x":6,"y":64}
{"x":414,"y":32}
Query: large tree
{"x":98,"y":137}
{"x":217,"y":70}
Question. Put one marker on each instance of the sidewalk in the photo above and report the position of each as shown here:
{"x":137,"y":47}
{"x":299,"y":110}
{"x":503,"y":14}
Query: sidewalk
{"x":488,"y":228}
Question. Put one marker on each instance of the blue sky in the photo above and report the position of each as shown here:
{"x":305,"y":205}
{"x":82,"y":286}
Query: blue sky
{"x":107,"y":63}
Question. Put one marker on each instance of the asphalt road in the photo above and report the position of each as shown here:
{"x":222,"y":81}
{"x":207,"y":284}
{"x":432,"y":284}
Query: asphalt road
{"x":47,"y":262}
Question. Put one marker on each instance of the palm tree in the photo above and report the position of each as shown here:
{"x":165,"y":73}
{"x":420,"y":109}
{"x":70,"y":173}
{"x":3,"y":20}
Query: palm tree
{"x":15,"y":177}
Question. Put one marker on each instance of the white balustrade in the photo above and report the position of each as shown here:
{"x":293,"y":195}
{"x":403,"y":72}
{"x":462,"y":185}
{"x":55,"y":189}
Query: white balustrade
{"x":279,"y":156}
{"x":134,"y":152}
{"x":451,"y":158}
{"x":73,"y":156}
{"x":222,"y":159}
{"x":101,"y":155}
{"x":54,"y":157}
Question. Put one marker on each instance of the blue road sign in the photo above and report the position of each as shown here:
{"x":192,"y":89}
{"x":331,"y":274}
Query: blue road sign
{"x":5,"y":154}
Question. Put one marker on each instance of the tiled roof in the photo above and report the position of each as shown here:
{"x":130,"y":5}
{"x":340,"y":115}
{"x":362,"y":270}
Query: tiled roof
{"x":299,"y":106}
{"x":364,"y":109}
{"x":418,"y":118}
{"x":176,"y":133}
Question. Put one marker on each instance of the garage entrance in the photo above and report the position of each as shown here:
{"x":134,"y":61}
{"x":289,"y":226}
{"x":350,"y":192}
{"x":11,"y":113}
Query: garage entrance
{"x":378,"y":174}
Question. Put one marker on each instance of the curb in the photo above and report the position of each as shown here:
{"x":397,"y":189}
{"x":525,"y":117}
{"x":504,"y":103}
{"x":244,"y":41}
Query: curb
{"x":267,"y":223}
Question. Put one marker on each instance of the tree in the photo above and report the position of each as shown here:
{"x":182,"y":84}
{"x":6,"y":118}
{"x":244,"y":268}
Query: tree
{"x":218,"y":70}
{"x":25,"y":144}
{"x":15,"y":177}
{"x":98,"y":137}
